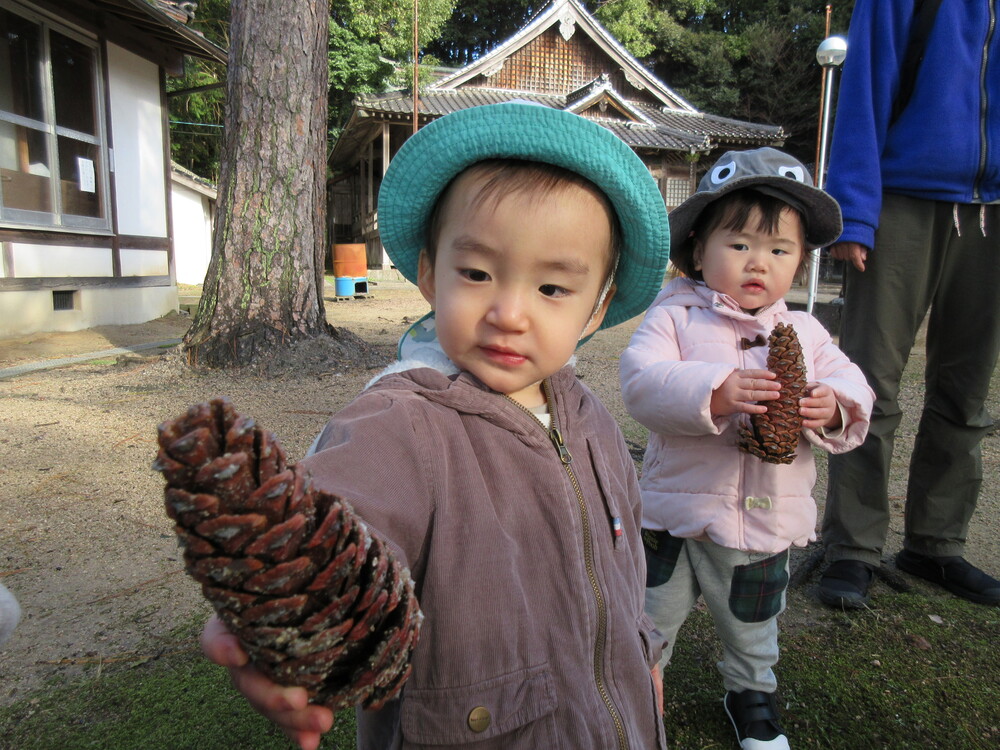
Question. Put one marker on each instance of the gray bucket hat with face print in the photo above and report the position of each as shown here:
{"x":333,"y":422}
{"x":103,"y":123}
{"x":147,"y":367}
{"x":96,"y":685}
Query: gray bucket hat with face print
{"x":771,"y":172}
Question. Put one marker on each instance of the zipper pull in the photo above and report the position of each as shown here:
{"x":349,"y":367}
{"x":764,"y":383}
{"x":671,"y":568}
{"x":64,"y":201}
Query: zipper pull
{"x":557,"y":440}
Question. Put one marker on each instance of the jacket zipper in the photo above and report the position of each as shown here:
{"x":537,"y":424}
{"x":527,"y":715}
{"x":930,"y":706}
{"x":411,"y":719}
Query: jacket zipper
{"x":588,"y":555}
{"x":983,"y":105}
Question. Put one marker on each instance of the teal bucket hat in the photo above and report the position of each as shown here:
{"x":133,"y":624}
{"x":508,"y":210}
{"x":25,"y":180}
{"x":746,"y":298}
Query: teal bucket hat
{"x":436,"y":154}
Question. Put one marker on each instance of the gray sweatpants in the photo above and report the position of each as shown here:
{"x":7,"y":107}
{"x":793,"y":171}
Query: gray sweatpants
{"x":928,"y":255}
{"x":729,"y":581}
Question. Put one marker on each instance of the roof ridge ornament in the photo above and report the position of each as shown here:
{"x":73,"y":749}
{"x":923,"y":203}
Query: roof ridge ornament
{"x":494,"y":69}
{"x":567,"y":25}
{"x":633,"y":80}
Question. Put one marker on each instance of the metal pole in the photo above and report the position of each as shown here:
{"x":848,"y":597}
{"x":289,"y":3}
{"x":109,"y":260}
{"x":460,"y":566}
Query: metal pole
{"x":829,"y":55}
{"x":820,"y":179}
{"x":416,"y":73}
{"x":822,"y":88}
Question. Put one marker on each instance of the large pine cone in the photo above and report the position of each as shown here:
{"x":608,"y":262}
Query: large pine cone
{"x":774,"y":435}
{"x":315,"y":599}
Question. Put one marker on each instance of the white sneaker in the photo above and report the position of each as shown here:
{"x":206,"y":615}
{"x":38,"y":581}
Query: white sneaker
{"x":754,"y":715}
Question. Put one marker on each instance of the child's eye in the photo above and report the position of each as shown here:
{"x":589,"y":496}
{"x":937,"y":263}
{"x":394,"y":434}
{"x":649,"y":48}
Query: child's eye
{"x":739,"y":247}
{"x":474,"y":274}
{"x":551,"y":290}
{"x":779,"y":251}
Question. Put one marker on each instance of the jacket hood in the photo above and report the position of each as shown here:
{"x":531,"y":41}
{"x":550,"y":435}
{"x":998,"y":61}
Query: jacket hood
{"x":685,"y":292}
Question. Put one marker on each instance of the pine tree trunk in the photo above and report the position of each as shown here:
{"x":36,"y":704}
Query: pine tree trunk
{"x":263,"y":289}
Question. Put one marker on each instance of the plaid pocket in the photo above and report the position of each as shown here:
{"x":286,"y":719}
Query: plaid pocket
{"x":755,"y":594}
{"x":662,"y":551}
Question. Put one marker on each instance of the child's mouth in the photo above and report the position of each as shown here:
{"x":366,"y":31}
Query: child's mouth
{"x":503,"y":356}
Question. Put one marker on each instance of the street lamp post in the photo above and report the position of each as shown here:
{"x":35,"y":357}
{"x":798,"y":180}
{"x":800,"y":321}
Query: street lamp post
{"x":830,"y":55}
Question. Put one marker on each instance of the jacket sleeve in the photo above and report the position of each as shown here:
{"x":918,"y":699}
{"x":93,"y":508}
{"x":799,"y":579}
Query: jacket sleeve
{"x":663,"y":392}
{"x":371,"y":454}
{"x":876,"y":44}
{"x":833,"y":368}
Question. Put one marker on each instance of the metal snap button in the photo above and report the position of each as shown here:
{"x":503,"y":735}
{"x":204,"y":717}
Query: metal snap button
{"x":479,"y":719}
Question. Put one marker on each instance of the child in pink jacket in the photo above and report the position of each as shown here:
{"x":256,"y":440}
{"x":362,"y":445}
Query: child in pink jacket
{"x":717,"y":521}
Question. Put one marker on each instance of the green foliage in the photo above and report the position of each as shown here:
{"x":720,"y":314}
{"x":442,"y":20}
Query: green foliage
{"x":631,"y":22}
{"x":196,"y":118}
{"x":366,"y":37}
{"x":477,"y":26}
{"x":748,"y":59}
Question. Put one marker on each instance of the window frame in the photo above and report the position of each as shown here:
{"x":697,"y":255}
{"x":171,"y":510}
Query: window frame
{"x":58,"y":219}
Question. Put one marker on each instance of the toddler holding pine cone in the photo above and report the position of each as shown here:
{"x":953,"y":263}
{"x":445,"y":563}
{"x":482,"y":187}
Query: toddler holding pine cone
{"x":735,"y":389}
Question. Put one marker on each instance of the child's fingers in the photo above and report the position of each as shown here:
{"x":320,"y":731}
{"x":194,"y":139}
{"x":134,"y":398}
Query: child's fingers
{"x":288,"y":707}
{"x":750,"y":407}
{"x":759,"y":385}
{"x":221,"y":646}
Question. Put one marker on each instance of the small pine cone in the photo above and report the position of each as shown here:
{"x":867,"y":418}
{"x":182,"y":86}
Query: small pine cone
{"x":774,"y":435}
{"x":315,"y":599}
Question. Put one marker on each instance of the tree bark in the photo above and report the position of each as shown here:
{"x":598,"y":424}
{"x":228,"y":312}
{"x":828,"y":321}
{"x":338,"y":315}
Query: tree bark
{"x":264,"y":286}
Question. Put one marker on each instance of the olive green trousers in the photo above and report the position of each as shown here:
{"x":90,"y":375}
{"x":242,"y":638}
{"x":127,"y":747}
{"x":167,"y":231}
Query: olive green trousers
{"x":945,"y":258}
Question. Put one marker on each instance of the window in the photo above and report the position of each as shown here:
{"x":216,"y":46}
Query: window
{"x":52,"y":145}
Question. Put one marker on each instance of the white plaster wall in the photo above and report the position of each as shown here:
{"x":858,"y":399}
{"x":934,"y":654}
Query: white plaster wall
{"x":192,"y":225}
{"x":143,"y":262}
{"x":24,"y":313}
{"x":137,"y":132}
{"x":33,"y":261}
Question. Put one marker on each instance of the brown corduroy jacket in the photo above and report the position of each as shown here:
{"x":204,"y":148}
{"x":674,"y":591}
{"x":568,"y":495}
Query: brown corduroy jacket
{"x":527,"y":561}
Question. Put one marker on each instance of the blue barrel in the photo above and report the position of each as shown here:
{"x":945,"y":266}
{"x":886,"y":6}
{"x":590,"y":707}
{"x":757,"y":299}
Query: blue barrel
{"x":344,"y":286}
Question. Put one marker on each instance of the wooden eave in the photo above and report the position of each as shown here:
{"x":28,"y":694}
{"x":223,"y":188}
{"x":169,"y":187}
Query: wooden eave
{"x":560,"y":12}
{"x":145,"y":29}
{"x":590,"y":96}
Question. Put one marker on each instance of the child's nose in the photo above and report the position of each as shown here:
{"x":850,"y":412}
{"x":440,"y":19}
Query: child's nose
{"x":508,"y":312}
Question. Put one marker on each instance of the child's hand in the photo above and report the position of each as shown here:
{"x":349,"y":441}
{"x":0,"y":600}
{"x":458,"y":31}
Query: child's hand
{"x":819,"y":408}
{"x":741,"y":391}
{"x":288,"y":707}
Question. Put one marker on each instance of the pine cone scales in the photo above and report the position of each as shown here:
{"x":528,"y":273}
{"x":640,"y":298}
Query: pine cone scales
{"x":315,"y":599}
{"x":774,"y":435}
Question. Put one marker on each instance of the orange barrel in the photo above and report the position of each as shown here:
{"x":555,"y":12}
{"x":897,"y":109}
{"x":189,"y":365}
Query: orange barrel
{"x":350,"y":260}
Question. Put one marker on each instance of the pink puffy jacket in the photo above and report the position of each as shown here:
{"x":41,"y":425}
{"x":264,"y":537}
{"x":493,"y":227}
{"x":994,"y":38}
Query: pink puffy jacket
{"x":695,"y":481}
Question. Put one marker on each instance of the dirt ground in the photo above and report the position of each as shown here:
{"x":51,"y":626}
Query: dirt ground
{"x":84,"y":541}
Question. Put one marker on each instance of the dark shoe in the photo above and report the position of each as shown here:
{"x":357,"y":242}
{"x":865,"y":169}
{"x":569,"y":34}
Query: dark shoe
{"x":755,"y":719}
{"x":845,"y":584}
{"x":957,"y":575}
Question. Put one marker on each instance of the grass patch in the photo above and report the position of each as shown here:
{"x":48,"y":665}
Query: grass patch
{"x":918,"y":672}
{"x":890,"y":678}
{"x":179,"y":702}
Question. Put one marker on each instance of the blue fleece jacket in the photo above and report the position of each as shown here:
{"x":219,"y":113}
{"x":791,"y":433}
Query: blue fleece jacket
{"x":946,"y":143}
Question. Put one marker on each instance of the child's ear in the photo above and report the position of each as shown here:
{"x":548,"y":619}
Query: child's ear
{"x":697,"y":253}
{"x":598,"y":317}
{"x":425,"y":277}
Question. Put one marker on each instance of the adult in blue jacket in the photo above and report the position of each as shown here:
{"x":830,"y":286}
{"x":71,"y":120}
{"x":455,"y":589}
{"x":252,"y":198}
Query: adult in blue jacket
{"x":919,"y":191}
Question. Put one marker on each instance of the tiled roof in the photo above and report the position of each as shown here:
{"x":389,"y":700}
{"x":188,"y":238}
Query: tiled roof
{"x":672,"y":130}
